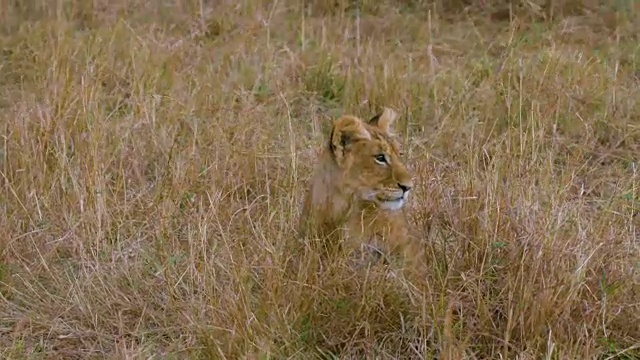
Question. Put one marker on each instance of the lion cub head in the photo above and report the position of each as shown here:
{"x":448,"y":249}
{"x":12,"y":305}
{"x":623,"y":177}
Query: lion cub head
{"x":369,"y":160}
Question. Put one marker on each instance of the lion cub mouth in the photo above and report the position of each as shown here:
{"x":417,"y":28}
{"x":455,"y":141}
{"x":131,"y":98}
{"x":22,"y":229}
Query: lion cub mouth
{"x":396,"y":204}
{"x":393,"y":203}
{"x":387,"y":202}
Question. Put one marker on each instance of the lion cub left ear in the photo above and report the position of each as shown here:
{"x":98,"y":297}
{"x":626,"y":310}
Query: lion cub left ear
{"x":346,"y":131}
{"x":384,"y":121}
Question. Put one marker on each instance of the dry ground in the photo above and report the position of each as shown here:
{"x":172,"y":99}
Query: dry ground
{"x":154,"y":155}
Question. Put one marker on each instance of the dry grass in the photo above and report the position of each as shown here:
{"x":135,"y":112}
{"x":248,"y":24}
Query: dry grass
{"x":154,"y":156}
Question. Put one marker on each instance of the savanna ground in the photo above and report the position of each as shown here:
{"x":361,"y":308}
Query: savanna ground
{"x":154,"y":156}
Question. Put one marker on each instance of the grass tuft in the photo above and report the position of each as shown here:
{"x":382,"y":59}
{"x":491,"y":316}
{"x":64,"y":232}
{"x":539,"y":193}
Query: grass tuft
{"x":154,"y":156}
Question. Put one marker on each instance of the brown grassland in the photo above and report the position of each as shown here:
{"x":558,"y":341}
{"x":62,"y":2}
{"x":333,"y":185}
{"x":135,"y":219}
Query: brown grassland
{"x":154,"y":157}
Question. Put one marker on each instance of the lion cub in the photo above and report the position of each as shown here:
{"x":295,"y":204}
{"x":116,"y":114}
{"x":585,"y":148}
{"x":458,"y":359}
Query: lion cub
{"x":358,"y":189}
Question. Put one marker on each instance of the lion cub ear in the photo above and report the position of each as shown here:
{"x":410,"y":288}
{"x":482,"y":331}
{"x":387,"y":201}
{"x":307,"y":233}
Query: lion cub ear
{"x":384,"y":121}
{"x":345,"y":131}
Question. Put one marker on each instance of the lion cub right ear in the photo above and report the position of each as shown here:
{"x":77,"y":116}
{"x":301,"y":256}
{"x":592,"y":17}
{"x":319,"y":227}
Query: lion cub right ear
{"x":345,"y":131}
{"x":384,"y":121}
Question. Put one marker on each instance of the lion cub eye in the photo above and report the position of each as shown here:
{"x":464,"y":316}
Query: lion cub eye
{"x":381,"y":159}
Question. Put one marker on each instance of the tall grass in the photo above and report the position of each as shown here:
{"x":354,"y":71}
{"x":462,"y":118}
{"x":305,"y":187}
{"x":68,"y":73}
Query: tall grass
{"x":154,"y":156}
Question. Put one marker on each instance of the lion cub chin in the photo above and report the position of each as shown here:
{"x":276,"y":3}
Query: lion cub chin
{"x":359,"y":189}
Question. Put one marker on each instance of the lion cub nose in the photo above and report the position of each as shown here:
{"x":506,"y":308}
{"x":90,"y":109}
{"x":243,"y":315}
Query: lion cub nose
{"x":404,"y":187}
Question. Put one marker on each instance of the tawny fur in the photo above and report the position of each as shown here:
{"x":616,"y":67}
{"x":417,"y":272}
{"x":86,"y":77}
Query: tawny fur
{"x":354,"y":191}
